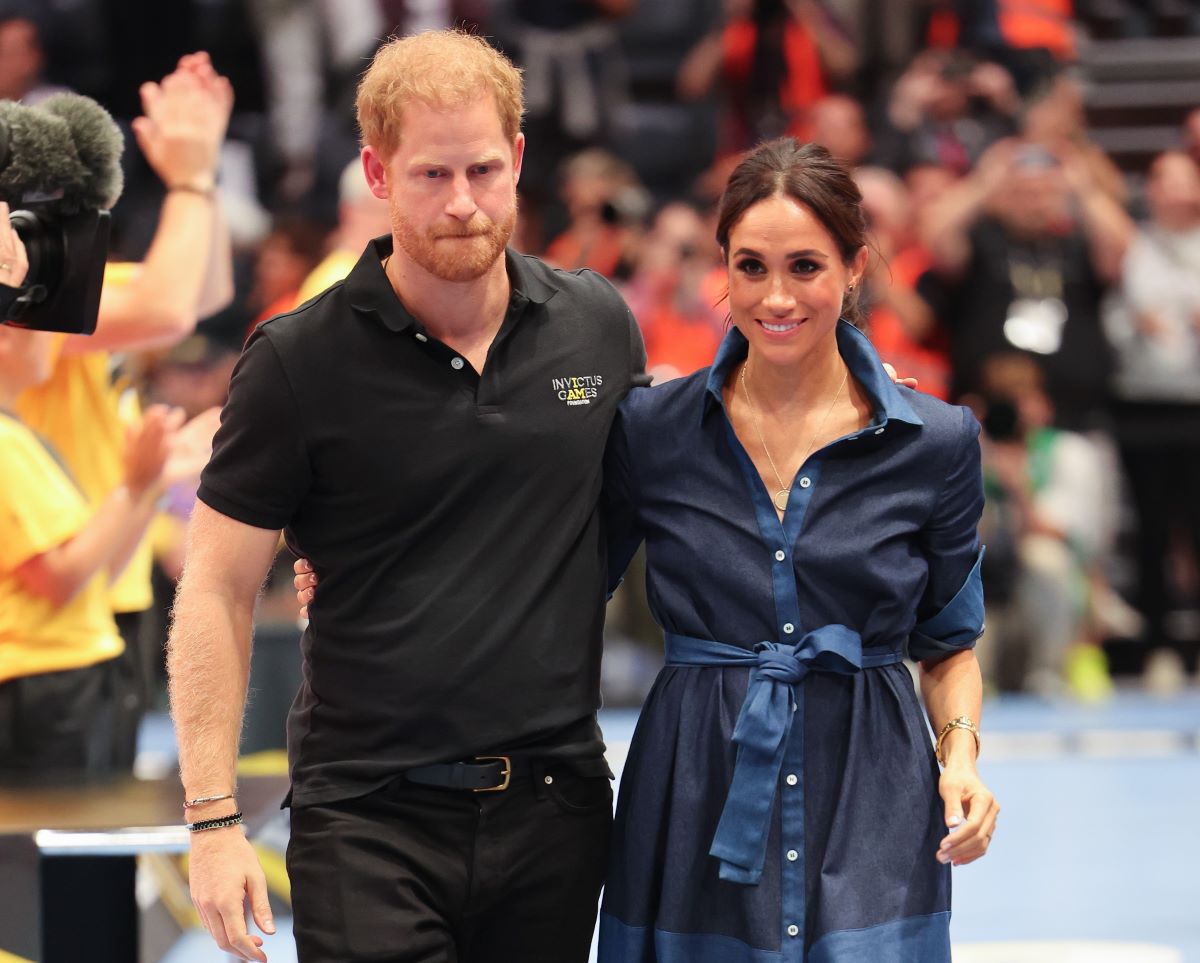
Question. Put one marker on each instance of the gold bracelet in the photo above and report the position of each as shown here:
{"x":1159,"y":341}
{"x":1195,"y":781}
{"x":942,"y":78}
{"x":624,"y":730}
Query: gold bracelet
{"x":205,"y":191}
{"x":961,"y":722}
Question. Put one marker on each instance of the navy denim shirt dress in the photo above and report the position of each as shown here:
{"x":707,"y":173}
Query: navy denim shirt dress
{"x":779,"y":802}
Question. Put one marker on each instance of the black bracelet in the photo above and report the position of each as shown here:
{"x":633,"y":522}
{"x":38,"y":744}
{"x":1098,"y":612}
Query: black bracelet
{"x":200,"y":825}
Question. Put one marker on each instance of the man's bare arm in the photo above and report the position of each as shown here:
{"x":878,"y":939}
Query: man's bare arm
{"x":208,"y":652}
{"x":208,"y":665}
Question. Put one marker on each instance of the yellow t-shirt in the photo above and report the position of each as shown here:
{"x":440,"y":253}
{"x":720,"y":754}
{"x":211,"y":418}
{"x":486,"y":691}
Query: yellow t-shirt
{"x":41,"y":509}
{"x":83,"y":413}
{"x":334,"y":268}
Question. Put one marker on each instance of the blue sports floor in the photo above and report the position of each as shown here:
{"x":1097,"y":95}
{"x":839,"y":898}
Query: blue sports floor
{"x":1097,"y":852}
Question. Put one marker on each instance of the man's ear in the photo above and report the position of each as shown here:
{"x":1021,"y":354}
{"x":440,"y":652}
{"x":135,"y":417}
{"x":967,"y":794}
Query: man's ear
{"x":375,"y":171}
{"x":518,"y":157}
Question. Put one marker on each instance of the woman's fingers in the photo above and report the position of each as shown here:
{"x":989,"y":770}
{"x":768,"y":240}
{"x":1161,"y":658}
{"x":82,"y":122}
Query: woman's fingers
{"x":969,"y":838}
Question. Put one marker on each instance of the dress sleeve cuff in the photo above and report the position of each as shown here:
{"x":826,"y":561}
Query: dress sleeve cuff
{"x":957,"y":626}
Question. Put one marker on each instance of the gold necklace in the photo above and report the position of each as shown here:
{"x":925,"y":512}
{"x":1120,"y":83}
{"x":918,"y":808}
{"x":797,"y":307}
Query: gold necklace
{"x":784,"y":493}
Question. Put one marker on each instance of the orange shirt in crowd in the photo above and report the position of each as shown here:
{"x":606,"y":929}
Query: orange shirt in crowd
{"x":804,"y":82}
{"x":601,"y":251}
{"x":1024,"y":25}
{"x":929,"y":363}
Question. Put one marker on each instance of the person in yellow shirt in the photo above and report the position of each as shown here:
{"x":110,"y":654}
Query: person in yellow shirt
{"x":361,"y":217}
{"x":59,"y":644}
{"x":186,"y":275}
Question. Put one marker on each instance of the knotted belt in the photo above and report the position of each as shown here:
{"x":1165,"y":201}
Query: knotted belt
{"x":762,"y":727}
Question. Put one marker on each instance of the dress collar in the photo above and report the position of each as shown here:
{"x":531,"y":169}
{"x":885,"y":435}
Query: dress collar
{"x":887,"y":399}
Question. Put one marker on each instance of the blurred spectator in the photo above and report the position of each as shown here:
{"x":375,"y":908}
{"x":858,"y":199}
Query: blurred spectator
{"x":575,"y":85}
{"x":1045,"y":507}
{"x":680,"y":326}
{"x":361,"y":217}
{"x":287,"y":255}
{"x":840,"y":126}
{"x":60,"y":649}
{"x":926,"y":184}
{"x":606,"y":207}
{"x":312,"y":55}
{"x":193,"y":376}
{"x":1154,"y":325}
{"x":947,"y":109}
{"x":81,"y":409}
{"x":1054,"y":118}
{"x":1191,"y":135}
{"x":1029,"y":37}
{"x":1022,"y":250}
{"x":899,"y":321}
{"x":21,"y":62}
{"x":773,"y":60}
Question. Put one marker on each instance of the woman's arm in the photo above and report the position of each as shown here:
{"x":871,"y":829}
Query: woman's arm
{"x":942,"y":643}
{"x":952,"y":689}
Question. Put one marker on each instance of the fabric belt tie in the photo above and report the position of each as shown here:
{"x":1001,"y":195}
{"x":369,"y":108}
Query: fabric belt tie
{"x":762,"y":727}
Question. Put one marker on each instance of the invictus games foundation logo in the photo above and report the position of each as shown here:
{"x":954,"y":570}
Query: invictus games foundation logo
{"x":579,"y":390}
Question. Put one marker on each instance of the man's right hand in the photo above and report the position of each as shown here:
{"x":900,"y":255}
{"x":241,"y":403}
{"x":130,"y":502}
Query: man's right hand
{"x":224,"y":873}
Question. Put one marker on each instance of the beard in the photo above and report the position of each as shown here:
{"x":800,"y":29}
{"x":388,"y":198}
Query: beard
{"x":461,"y":252}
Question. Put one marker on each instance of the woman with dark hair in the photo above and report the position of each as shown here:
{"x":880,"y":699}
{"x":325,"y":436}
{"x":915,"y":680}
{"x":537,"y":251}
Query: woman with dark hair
{"x":807,"y":525}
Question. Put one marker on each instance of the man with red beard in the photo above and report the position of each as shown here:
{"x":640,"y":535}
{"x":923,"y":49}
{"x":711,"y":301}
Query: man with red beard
{"x":429,"y":433}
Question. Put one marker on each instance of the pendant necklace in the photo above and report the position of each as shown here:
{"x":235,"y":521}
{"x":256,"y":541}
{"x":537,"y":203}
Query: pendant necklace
{"x":784,"y":493}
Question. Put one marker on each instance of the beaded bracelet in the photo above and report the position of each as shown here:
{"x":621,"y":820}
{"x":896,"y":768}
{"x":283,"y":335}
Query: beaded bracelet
{"x":202,"y":825}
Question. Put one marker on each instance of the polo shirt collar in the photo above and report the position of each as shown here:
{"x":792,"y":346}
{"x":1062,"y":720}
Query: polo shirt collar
{"x":371,"y":292}
{"x":887,"y":400}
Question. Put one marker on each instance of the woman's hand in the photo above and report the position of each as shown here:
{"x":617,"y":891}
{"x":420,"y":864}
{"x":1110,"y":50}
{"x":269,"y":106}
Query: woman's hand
{"x":971,"y":812}
{"x":305,"y":583}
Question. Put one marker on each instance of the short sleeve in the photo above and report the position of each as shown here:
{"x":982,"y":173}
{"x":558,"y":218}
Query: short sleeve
{"x":951,"y":612}
{"x":259,"y":471}
{"x":618,"y":501}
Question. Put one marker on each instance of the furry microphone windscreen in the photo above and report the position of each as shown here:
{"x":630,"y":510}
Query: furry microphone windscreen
{"x":99,"y":144}
{"x":67,"y":151}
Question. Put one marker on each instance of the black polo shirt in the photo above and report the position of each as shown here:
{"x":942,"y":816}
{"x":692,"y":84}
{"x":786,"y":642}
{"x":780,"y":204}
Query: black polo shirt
{"x":451,"y":516}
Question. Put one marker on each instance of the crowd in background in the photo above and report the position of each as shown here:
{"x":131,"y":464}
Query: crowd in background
{"x":1015,"y":267}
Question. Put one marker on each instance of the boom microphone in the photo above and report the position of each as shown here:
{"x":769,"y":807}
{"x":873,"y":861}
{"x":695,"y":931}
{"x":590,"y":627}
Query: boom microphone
{"x":59,"y":172}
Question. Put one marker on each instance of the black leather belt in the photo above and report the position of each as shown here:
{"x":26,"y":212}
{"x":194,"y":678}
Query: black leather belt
{"x":481,"y":774}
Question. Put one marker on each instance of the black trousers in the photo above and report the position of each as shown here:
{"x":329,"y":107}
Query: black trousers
{"x":131,"y":693}
{"x":417,"y":874}
{"x":57,"y":724}
{"x":1164,"y":480}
